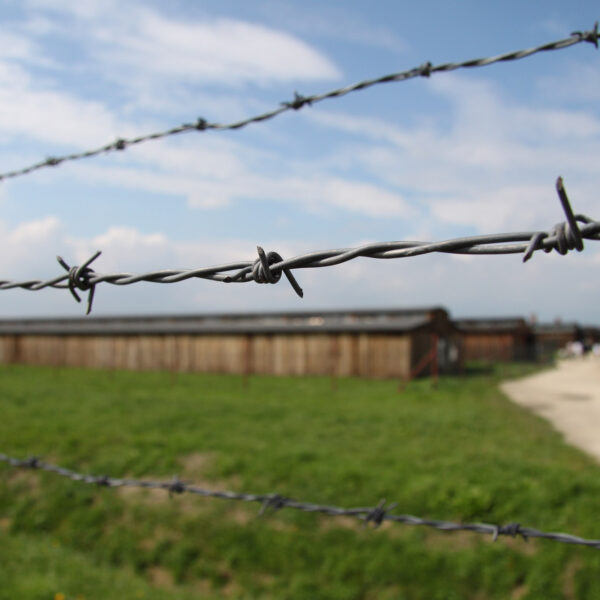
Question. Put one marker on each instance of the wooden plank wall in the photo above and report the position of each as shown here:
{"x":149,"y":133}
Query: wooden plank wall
{"x":366,"y":355}
{"x":492,"y":347}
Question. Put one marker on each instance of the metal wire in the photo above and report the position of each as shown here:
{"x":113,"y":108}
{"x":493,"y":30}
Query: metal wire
{"x":268,"y":267}
{"x":371,"y":514}
{"x":299,"y":101}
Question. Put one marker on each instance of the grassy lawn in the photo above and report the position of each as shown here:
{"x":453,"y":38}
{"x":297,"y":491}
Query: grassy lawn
{"x":459,"y":452}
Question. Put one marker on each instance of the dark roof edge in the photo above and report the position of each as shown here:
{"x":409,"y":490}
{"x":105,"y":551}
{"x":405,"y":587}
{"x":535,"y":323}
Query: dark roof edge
{"x":488,"y":319}
{"x":232,"y":315}
{"x":555,"y":327}
{"x":187,"y":328}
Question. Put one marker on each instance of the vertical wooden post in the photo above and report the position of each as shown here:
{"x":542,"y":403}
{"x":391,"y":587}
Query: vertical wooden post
{"x":334,"y":353}
{"x":175,"y":359}
{"x":247,"y":361}
{"x":434,"y":358}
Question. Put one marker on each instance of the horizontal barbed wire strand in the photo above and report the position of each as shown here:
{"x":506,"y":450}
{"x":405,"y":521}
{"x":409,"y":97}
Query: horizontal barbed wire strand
{"x":300,"y":101}
{"x":269,"y":267}
{"x":371,"y":514}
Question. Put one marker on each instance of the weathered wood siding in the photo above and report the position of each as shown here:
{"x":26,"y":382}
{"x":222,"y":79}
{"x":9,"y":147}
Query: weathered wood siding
{"x":363,"y":354}
{"x":496,"y":347}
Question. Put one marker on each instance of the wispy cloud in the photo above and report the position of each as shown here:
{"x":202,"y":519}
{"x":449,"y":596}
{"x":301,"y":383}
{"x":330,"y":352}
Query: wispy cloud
{"x":335,"y":23}
{"x":140,"y":66}
{"x":18,"y":47}
{"x":491,"y":164}
{"x":50,"y":115}
{"x":579,"y":84}
{"x":137,"y":43}
{"x":231,"y":181}
{"x":223,"y":50}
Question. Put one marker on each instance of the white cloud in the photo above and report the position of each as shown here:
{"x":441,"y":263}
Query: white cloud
{"x":190,"y":174}
{"x":492,"y":166}
{"x":89,"y":9}
{"x":481,"y":108}
{"x":148,"y":63}
{"x":133,"y":42}
{"x":50,"y":115}
{"x":25,"y":248}
{"x":222,"y":50}
{"x":580,"y":83}
{"x":497,"y":210}
{"x":35,"y":232}
{"x":14,"y":46}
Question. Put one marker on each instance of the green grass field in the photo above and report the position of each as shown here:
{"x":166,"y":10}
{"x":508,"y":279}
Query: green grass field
{"x":460,"y":452}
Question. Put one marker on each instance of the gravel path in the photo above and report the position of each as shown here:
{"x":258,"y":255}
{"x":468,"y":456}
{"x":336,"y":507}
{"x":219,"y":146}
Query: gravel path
{"x":569,"y":397}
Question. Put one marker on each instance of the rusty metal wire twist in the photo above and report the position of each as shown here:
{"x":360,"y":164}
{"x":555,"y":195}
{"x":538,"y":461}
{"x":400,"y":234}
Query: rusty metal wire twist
{"x":270,"y":265}
{"x":300,"y":101}
{"x":273,"y":502}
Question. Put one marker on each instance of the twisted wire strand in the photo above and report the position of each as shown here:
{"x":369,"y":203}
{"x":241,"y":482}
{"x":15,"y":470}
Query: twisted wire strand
{"x":268,"y":267}
{"x":299,"y":101}
{"x":375,"y":515}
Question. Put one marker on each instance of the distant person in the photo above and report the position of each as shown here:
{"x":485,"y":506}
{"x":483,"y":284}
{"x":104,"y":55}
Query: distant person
{"x":576,"y":348}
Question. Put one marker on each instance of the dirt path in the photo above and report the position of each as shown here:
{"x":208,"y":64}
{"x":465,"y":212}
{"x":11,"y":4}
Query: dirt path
{"x":569,"y":397}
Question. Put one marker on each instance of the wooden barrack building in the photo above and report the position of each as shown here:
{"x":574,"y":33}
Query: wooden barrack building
{"x":496,"y":339}
{"x":552,"y":337}
{"x":368,"y":343}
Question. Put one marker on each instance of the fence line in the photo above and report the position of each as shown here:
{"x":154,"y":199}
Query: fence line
{"x":299,"y":101}
{"x":371,"y":514}
{"x":269,"y":267}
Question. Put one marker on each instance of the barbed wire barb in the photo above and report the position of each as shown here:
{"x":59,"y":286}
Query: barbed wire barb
{"x":567,"y":234}
{"x":273,"y":502}
{"x":79,"y":277}
{"x":300,"y":101}
{"x":269,"y":266}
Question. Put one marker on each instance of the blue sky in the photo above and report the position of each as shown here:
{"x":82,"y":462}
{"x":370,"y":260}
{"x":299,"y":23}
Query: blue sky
{"x":469,"y":152}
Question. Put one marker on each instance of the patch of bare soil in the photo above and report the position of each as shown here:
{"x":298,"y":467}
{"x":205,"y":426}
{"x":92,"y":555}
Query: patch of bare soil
{"x":193,"y":472}
{"x":569,"y":574}
{"x":26,"y":480}
{"x":160,"y":577}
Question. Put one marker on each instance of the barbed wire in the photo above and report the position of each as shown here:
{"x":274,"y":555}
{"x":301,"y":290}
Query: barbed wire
{"x":371,"y":514}
{"x":300,"y":101}
{"x":269,"y":266}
